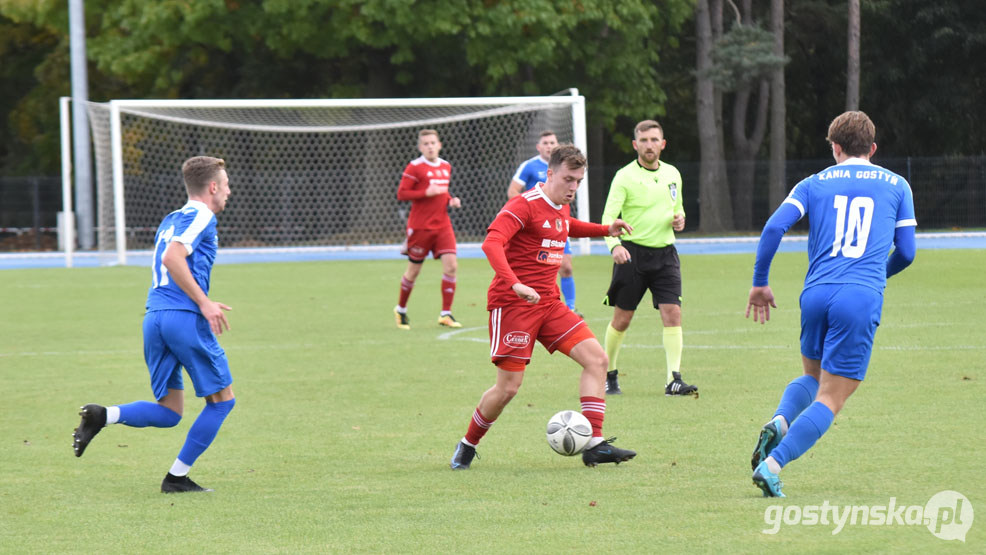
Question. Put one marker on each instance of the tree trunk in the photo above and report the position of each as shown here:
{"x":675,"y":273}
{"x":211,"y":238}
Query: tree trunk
{"x":746,"y":148}
{"x":776,"y":180}
{"x":714,"y":206}
{"x":852,"y":72}
{"x":598,"y":188}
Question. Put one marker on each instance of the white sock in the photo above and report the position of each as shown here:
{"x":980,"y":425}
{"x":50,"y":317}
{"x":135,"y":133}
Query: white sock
{"x":773,"y":466}
{"x":467,"y":443}
{"x":179,"y":468}
{"x":112,"y":415}
{"x":401,"y":309}
{"x":446,"y":313}
{"x":594,"y":441}
{"x":782,"y":423}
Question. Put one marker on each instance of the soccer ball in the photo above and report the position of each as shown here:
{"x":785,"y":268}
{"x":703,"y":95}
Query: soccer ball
{"x":569,"y":432}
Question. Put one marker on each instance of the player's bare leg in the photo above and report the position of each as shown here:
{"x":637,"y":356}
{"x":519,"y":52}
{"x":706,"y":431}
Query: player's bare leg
{"x":592,"y":389}
{"x":491,"y":405}
{"x":496,"y":398}
{"x":614,"y":341}
{"x":834,"y":391}
{"x":450,"y":265}
{"x":407,"y":284}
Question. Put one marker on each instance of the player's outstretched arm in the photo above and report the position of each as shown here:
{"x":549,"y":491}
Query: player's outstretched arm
{"x":761,"y":300}
{"x":619,"y":227}
{"x":578,"y":228}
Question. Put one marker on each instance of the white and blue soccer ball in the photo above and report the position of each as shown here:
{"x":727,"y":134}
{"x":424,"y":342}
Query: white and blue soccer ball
{"x":569,"y":432}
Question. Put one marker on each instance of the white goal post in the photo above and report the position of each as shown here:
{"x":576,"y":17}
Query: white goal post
{"x":311,"y":174}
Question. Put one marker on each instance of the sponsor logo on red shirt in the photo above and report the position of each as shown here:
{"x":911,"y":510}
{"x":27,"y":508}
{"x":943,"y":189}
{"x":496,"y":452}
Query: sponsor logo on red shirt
{"x":517,"y":339}
{"x":550,"y":258}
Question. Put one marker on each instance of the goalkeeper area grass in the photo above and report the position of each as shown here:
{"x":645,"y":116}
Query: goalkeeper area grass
{"x":344,"y":425}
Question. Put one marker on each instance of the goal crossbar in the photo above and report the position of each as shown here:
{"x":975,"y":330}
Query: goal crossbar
{"x":381,"y":123}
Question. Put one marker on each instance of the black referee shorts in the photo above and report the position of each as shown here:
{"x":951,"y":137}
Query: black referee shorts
{"x":656,"y":269}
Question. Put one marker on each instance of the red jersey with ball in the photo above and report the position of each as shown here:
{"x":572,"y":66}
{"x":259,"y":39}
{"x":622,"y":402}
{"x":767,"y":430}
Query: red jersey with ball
{"x":536,"y":229}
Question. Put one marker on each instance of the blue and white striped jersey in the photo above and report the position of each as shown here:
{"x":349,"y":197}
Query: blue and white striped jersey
{"x":194,"y":226}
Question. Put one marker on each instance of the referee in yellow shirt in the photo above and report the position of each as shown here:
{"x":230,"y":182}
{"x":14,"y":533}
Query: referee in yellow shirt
{"x":646,"y":193}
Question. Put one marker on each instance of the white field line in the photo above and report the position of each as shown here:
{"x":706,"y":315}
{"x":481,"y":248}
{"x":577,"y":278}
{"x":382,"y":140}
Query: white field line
{"x":454,"y":335}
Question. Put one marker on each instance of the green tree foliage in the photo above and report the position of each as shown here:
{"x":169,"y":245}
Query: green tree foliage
{"x":609,"y":49}
{"x":743,"y":56}
{"x":924,"y":76}
{"x":29,"y":55}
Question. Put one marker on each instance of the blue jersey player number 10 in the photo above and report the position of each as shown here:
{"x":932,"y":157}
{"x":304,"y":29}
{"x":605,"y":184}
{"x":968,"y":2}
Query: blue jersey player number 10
{"x":858,"y":230}
{"x":857,"y":213}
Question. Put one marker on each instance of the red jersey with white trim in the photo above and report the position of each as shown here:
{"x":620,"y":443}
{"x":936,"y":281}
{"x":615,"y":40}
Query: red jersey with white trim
{"x":535,"y":230}
{"x":426,"y":212}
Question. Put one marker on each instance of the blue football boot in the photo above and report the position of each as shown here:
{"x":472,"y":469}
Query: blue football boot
{"x":770,"y":437}
{"x":767,"y":481}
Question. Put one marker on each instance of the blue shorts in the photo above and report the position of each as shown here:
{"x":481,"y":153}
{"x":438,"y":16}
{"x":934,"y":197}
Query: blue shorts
{"x":176,"y":338}
{"x":568,"y":247}
{"x":838,"y":323}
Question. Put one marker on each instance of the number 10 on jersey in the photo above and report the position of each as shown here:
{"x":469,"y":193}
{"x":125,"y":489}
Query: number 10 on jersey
{"x":860,"y":215}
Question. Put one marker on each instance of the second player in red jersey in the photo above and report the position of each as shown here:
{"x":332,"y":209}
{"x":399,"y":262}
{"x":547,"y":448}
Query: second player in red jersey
{"x":524,"y":245}
{"x":425,"y":182}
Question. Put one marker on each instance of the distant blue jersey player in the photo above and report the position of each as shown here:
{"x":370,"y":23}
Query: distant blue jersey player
{"x":857,"y":213}
{"x":530,"y":173}
{"x":180,"y":328}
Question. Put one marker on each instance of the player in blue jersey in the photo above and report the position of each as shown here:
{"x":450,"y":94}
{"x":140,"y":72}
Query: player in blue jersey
{"x":530,"y":173}
{"x":180,"y":328}
{"x":856,"y":212}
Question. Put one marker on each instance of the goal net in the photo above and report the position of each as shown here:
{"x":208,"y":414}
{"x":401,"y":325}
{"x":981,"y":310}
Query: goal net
{"x":314,"y":174}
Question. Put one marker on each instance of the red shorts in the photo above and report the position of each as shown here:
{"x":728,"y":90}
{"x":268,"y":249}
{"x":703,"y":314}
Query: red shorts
{"x":514,"y":328}
{"x":422,"y":241}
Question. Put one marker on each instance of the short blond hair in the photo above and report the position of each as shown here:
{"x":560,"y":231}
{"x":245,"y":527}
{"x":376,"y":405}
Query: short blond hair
{"x":854,"y":132}
{"x":425,"y":132}
{"x":199,"y":171}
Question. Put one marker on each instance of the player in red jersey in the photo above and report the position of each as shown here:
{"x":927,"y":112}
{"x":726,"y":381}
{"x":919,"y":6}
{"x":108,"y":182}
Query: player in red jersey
{"x":425,"y":183}
{"x":525,"y":245}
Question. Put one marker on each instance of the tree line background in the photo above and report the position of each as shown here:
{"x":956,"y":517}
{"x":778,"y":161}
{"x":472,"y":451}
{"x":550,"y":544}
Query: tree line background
{"x":709,"y":70}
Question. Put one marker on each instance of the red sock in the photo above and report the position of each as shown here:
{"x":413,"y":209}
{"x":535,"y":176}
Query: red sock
{"x":594,"y":410}
{"x":478,"y":427}
{"x":406,"y":287}
{"x":448,"y":291}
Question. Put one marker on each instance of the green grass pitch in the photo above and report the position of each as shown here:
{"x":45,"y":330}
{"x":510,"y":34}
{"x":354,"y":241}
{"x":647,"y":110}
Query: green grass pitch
{"x":344,"y":425}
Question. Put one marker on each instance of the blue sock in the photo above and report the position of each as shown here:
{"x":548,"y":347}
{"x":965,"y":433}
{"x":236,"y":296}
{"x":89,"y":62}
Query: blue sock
{"x":568,"y":291}
{"x":803,"y":433}
{"x":797,"y":396}
{"x":141,"y":414}
{"x":204,"y":430}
